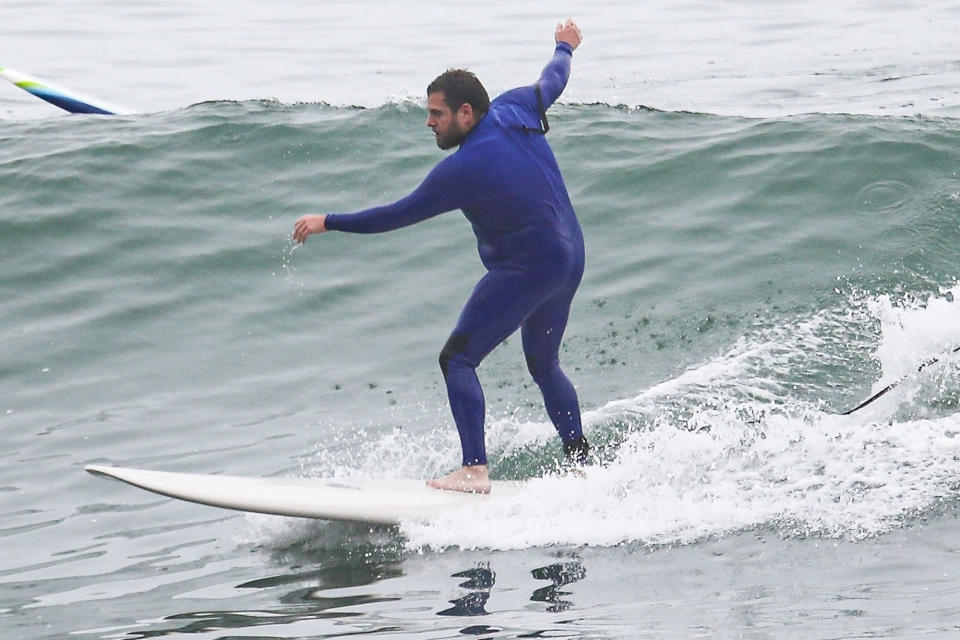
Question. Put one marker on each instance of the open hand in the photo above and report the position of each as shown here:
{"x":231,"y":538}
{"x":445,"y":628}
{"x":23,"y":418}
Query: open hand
{"x":569,"y":32}
{"x":307,"y":226}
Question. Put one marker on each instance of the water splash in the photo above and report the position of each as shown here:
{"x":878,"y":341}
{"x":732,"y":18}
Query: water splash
{"x":734,"y":444}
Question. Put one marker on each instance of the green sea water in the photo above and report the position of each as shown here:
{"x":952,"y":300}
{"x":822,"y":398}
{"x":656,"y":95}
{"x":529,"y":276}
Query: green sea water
{"x":747,"y":279}
{"x":153,"y":251}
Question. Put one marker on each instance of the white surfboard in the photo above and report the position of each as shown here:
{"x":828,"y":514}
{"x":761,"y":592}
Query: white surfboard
{"x":379,"y":501}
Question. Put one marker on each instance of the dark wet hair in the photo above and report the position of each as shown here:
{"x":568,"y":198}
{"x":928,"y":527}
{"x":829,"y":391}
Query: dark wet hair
{"x":459,"y":87}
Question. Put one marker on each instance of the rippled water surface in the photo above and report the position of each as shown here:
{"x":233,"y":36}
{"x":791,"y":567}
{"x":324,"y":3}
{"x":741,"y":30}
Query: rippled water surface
{"x":770,"y":200}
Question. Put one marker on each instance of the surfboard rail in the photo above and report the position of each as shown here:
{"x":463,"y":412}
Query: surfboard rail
{"x":373,"y":501}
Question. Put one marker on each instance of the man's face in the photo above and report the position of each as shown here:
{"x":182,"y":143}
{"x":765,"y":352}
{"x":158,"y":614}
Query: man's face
{"x":447,"y":126}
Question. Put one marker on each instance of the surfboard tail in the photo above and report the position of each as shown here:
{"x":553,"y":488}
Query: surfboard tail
{"x":65,"y":99}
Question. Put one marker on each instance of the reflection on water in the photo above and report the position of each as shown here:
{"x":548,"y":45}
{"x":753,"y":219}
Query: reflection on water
{"x":559,"y":574}
{"x":479,"y":580}
{"x":202,"y":622}
{"x":369,"y":596}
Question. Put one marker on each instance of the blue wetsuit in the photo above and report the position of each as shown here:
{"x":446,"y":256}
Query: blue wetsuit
{"x":508,"y":184}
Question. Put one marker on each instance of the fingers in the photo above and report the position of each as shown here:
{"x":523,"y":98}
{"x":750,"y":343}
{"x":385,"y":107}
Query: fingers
{"x":569,"y":32}
{"x":300,"y":231}
{"x":308,"y":225}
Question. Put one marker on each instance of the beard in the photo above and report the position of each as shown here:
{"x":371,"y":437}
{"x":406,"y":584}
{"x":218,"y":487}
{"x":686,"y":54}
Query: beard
{"x":450,"y":137}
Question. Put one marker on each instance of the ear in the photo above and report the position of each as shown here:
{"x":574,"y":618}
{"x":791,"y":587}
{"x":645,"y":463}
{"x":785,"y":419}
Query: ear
{"x":466,"y":110}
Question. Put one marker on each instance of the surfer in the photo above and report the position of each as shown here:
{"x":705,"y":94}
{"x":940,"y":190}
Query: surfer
{"x":505,"y":179}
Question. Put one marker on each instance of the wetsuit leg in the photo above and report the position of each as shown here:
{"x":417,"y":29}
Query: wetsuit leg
{"x":499,"y":304}
{"x":542,"y":334}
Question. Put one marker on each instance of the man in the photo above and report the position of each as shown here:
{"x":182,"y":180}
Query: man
{"x":506,"y":180}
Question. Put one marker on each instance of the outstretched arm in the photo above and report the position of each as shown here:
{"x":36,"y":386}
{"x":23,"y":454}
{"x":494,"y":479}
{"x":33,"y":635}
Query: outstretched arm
{"x":441,"y":191}
{"x":555,"y":74}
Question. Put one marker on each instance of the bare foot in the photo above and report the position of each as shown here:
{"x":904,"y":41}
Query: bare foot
{"x":474,"y":479}
{"x":575,"y":471}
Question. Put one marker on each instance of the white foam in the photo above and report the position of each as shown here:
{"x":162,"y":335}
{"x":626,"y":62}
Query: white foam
{"x":915,"y":331}
{"x":744,"y":440}
{"x":728,"y":446}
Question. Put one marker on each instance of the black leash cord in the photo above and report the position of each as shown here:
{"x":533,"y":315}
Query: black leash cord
{"x":545,"y":126}
{"x":895,"y":383}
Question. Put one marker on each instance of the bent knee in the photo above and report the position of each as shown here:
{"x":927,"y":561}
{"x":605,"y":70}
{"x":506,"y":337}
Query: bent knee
{"x":455,"y":346}
{"x":540,"y":370}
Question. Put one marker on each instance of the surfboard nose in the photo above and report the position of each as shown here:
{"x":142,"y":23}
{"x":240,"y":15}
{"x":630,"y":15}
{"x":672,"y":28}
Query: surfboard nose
{"x":66,"y":99}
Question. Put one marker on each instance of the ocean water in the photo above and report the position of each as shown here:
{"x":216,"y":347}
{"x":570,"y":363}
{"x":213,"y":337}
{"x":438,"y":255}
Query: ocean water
{"x":771,"y":203}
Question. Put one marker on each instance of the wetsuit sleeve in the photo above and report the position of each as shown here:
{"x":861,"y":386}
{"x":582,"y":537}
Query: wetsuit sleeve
{"x":552,"y":82}
{"x":439,"y":192}
{"x":555,"y":74}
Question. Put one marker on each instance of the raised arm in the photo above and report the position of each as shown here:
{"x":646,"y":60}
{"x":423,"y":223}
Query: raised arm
{"x":555,"y":74}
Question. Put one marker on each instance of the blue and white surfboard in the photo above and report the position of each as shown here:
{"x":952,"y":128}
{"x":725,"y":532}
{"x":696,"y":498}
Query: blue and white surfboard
{"x":67,"y":100}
